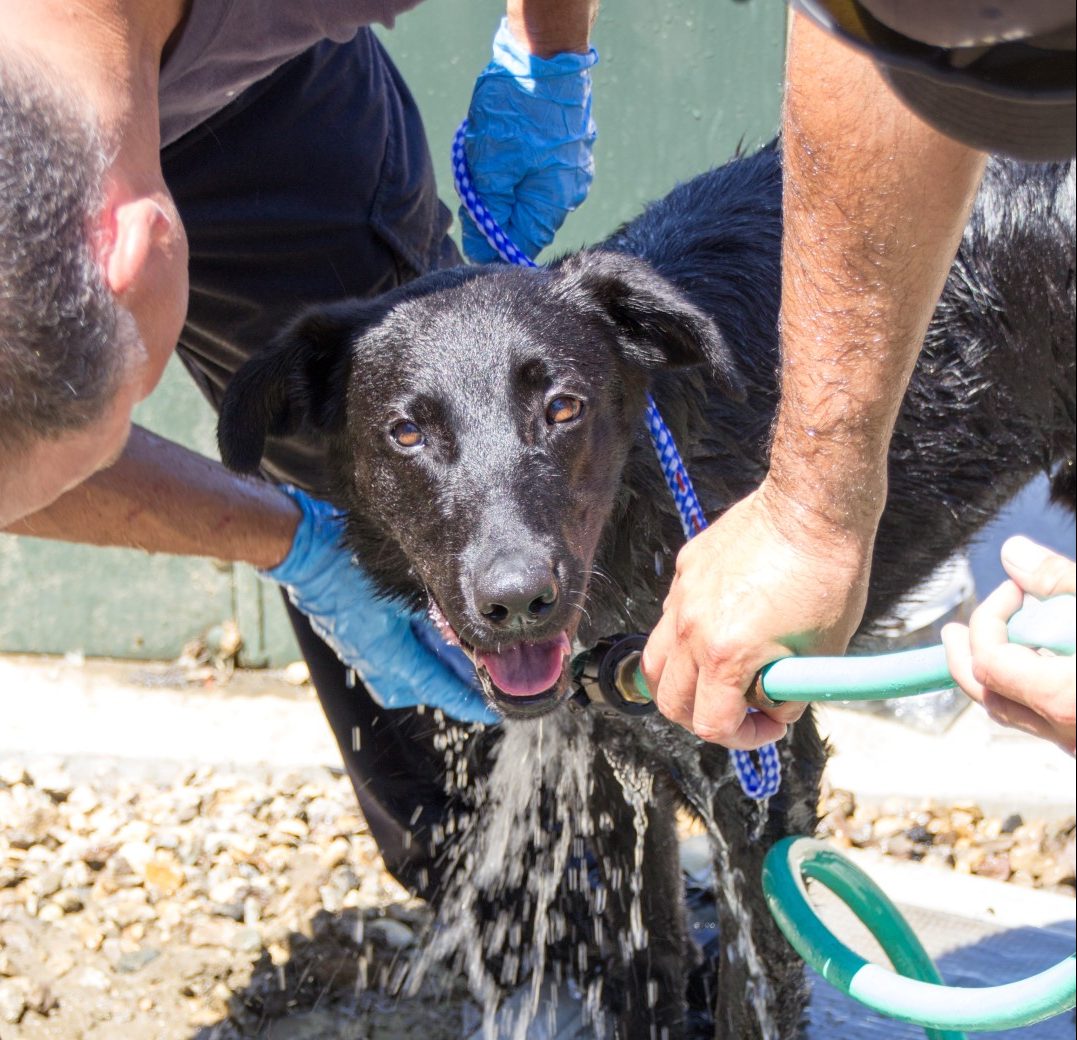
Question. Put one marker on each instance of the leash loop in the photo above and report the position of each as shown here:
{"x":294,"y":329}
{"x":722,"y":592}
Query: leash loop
{"x":756,"y":783}
{"x":476,"y":208}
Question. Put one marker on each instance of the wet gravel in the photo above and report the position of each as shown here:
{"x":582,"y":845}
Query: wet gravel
{"x":216,"y":904}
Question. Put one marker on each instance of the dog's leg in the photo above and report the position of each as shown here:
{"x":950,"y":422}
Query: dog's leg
{"x":761,"y":990}
{"x":643,"y":923}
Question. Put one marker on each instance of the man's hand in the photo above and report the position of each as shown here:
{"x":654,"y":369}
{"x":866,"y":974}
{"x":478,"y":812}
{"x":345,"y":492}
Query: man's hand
{"x":1018,"y":687}
{"x":751,"y":588}
{"x":368,"y":633}
{"x":873,"y":210}
{"x":528,"y":143}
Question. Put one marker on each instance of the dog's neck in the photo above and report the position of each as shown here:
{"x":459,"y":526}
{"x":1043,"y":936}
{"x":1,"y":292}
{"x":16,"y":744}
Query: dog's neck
{"x":637,"y":553}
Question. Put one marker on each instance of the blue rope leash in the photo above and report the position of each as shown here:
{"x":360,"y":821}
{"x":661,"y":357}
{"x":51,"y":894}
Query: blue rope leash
{"x":476,"y":208}
{"x":756,"y":783}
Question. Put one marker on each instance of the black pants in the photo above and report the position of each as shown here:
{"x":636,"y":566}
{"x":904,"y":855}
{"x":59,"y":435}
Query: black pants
{"x":313,"y":185}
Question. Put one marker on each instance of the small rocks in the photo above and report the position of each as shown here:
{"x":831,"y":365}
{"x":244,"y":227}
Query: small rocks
{"x":89,"y":978}
{"x":218,"y":933}
{"x":164,"y":876}
{"x":136,"y":959}
{"x":247,"y":940}
{"x":12,"y":1000}
{"x":19,"y":996}
{"x":394,"y":934}
{"x":297,"y":673}
{"x":959,"y":836}
{"x":13,"y":772}
{"x":225,"y":900}
{"x":41,"y":1000}
{"x":289,"y":829}
{"x":157,"y":904}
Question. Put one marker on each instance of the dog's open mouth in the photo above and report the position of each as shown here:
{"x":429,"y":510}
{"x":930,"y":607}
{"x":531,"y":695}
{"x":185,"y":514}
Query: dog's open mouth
{"x":525,"y":678}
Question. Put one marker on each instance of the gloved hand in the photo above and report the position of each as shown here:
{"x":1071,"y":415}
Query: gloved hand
{"x":374,"y":636}
{"x":528,"y":143}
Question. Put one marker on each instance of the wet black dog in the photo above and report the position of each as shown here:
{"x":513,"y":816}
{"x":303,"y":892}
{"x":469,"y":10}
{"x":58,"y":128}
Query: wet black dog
{"x":486,"y":427}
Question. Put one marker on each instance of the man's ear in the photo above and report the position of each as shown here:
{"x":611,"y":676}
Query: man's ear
{"x":656,"y":325}
{"x":299,"y":381}
{"x":126,"y":242}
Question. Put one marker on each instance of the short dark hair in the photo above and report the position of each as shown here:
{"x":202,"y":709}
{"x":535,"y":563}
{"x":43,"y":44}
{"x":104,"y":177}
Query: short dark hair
{"x":59,"y":359}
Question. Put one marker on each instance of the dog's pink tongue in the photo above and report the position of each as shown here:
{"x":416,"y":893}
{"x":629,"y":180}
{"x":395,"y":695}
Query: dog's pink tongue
{"x":527,"y":668}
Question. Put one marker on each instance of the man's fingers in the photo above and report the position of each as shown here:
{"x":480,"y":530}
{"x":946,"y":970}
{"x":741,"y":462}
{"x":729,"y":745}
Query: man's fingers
{"x":1037,"y":569}
{"x":1000,"y":606}
{"x":670,"y":672}
{"x":719,"y":715}
{"x":755,"y":730}
{"x":676,"y":697}
{"x":1009,"y":713}
{"x":1043,"y":684}
{"x":959,"y":660}
{"x":652,"y":662}
{"x":987,"y":626}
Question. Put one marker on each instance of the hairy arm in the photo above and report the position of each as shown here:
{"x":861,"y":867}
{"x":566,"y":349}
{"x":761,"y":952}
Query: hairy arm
{"x":549,"y":27}
{"x":160,"y":497}
{"x":874,"y":205}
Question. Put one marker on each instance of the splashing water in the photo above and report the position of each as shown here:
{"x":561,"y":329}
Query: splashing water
{"x":525,"y":848}
{"x":501,"y":910}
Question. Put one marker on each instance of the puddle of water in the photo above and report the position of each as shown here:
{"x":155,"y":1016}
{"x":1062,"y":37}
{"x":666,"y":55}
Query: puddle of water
{"x":968,"y":953}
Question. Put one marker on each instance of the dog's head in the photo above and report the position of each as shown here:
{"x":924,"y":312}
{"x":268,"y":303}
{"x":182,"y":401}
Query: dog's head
{"x":478,"y":422}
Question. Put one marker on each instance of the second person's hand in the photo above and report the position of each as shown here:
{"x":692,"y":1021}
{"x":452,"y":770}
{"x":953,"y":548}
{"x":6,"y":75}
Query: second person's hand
{"x":378,"y":638}
{"x":1017,"y":686}
{"x":528,"y":143}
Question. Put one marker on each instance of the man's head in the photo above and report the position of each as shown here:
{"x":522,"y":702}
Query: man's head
{"x":92,"y":290}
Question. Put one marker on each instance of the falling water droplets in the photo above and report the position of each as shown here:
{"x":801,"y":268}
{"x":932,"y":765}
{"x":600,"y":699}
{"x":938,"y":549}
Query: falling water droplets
{"x":522,"y":856}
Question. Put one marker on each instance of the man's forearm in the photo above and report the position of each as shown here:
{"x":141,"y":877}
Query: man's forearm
{"x":160,"y":497}
{"x":874,"y":206}
{"x":549,"y":27}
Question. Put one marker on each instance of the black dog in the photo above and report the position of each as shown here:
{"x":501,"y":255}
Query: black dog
{"x":485,"y":425}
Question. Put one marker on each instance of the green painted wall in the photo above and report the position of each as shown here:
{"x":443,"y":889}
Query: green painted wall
{"x":680,"y":84}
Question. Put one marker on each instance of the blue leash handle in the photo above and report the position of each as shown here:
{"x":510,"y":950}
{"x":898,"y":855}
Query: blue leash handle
{"x":476,"y":208}
{"x":756,"y":783}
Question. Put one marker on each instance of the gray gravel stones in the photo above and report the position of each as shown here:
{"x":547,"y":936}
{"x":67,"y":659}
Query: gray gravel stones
{"x":1034,"y":853}
{"x":239,"y":903}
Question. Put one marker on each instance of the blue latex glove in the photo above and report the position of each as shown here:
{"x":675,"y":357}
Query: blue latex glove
{"x":397,"y":653}
{"x":528,"y":143}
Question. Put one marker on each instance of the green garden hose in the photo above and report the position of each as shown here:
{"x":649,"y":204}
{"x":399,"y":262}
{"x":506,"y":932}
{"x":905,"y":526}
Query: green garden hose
{"x":916,"y":993}
{"x":1047,"y":623}
{"x":610,"y":674}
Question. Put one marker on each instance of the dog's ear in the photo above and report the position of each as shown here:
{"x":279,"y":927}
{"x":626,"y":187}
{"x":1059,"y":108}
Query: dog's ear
{"x":298,"y":381}
{"x":656,"y":325}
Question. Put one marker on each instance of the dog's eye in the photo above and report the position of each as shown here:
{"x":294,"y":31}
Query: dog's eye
{"x":563,"y":409}
{"x":407,"y":434}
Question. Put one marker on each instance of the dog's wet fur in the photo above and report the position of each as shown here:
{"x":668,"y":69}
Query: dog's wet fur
{"x":486,"y":432}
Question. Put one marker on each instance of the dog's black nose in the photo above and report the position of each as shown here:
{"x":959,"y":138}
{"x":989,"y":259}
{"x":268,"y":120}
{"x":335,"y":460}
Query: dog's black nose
{"x":514,"y":593}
